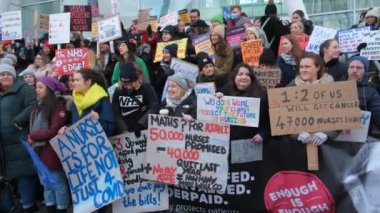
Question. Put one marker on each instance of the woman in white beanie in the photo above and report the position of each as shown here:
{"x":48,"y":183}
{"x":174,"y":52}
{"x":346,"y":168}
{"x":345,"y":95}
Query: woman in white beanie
{"x":252,"y":33}
{"x":372,"y":19}
{"x":224,"y":56}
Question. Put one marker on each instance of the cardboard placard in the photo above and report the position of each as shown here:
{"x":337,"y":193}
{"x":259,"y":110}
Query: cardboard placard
{"x":59,"y":28}
{"x":350,"y":39}
{"x":302,"y":42}
{"x":184,"y":16}
{"x":251,"y":51}
{"x":153,"y":23}
{"x":319,"y":35}
{"x":90,"y":164}
{"x":80,"y":17}
{"x":239,"y":111}
{"x":190,"y":154}
{"x":109,"y":29}
{"x":43,"y":22}
{"x":69,"y":61}
{"x":141,"y":195}
{"x":268,"y":77}
{"x":202,"y":43}
{"x":143,"y":19}
{"x":205,"y":88}
{"x":181,"y":52}
{"x":11,"y":25}
{"x":234,"y":36}
{"x":169,"y":19}
{"x":372,"y":51}
{"x":357,"y":135}
{"x":314,"y":108}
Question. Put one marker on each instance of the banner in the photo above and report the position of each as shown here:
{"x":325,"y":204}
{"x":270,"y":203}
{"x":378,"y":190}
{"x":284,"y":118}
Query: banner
{"x":69,"y":61}
{"x":59,"y":28}
{"x":80,"y":17}
{"x":251,"y":51}
{"x":268,"y":77}
{"x":169,"y":19}
{"x":372,"y":51}
{"x":184,"y":16}
{"x":109,"y":29}
{"x":302,"y":42}
{"x":240,"y":111}
{"x":43,"y":22}
{"x":314,"y":108}
{"x":11,"y":25}
{"x":357,"y":135}
{"x":234,"y":36}
{"x":141,"y":195}
{"x":349,"y":40}
{"x":205,"y":88}
{"x":181,"y":52}
{"x":189,"y":154}
{"x":90,"y":164}
{"x":143,"y":19}
{"x":202,"y":43}
{"x":319,"y":35}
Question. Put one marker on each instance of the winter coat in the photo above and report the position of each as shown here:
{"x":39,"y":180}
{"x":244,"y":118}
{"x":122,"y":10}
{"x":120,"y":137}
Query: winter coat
{"x":308,"y":26}
{"x":337,"y":69}
{"x":46,"y":152}
{"x":106,"y":114}
{"x":369,"y":100}
{"x":219,"y":79}
{"x":159,"y":77}
{"x":225,"y":64}
{"x":135,"y":106}
{"x":274,"y":28}
{"x":15,"y":106}
{"x":109,"y":67}
{"x":187,"y":106}
{"x":288,"y":72}
{"x":140,"y":62}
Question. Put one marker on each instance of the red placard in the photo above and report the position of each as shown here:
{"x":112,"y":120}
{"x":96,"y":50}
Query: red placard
{"x":303,"y":40}
{"x":69,"y":61}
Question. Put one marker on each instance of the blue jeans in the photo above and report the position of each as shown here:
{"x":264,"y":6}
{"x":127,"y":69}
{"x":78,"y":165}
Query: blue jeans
{"x":26,"y":187}
{"x":58,"y":194}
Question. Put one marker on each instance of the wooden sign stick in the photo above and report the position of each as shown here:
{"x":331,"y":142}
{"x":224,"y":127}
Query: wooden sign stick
{"x":312,"y":157}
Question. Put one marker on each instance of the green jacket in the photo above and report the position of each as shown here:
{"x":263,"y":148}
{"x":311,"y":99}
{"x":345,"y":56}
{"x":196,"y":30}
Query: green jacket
{"x":139,"y":61}
{"x":15,"y":107}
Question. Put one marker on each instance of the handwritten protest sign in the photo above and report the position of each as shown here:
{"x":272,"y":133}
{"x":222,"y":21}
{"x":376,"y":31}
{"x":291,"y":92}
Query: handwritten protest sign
{"x":69,"y":61}
{"x":169,"y":19}
{"x":319,"y":35}
{"x":59,"y":28}
{"x":205,"y":88}
{"x":372,"y":51}
{"x":251,"y":51}
{"x":187,"y":153}
{"x":109,"y":29}
{"x":153,"y":23}
{"x":268,"y":77}
{"x":80,"y":17}
{"x":240,"y":111}
{"x":314,"y":108}
{"x":350,"y":39}
{"x":90,"y":164}
{"x":94,"y":29}
{"x":143,"y":19}
{"x":244,"y":151}
{"x":202,"y":43}
{"x":302,"y":42}
{"x":43,"y":22}
{"x":141,"y":195}
{"x":234,"y":36}
{"x":94,"y":8}
{"x":357,"y":135}
{"x":184,"y":16}
{"x":11,"y":25}
{"x":181,"y":52}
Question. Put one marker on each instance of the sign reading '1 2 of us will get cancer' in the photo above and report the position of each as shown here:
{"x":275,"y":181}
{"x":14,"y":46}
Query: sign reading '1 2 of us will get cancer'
{"x":240,"y":111}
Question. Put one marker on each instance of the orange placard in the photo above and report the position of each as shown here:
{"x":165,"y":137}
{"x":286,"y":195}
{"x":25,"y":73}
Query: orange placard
{"x":251,"y":51}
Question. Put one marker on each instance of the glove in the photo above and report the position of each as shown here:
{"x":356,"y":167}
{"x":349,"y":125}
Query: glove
{"x":138,"y":129}
{"x":319,"y":138}
{"x":304,"y":137}
{"x":149,"y":30}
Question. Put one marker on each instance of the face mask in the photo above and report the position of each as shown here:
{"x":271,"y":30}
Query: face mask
{"x":234,"y":16}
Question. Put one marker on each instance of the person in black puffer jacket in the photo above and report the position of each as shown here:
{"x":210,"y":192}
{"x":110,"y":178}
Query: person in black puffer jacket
{"x":329,"y":52}
{"x":299,"y":15}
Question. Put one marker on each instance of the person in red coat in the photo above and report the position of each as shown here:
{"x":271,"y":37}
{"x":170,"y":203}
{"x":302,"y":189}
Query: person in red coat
{"x":47,"y":118}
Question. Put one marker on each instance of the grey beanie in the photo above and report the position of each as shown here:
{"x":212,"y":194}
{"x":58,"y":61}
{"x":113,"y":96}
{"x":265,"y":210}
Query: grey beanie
{"x":7,"y":61}
{"x":28,"y":71}
{"x":13,"y":57}
{"x":7,"y":68}
{"x":181,"y":81}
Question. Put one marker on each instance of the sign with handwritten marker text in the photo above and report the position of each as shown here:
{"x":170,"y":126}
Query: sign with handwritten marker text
{"x":90,"y":164}
{"x":202,"y":43}
{"x":372,"y":51}
{"x":69,"y":61}
{"x":205,"y":88}
{"x":169,"y":19}
{"x":251,"y":51}
{"x":11,"y":25}
{"x":141,"y":195}
{"x":190,"y":153}
{"x":319,"y":35}
{"x":357,"y":135}
{"x":314,"y":108}
{"x":349,"y":40}
{"x":240,"y":111}
{"x":268,"y":77}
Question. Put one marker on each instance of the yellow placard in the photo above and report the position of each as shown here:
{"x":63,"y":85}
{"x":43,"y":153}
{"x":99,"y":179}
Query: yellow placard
{"x":181,"y":53}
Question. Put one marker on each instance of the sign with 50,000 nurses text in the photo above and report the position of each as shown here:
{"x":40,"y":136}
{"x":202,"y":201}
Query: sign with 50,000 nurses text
{"x":90,"y":164}
{"x":69,"y":61}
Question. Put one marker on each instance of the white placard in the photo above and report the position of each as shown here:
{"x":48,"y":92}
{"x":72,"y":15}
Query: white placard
{"x":319,"y":35}
{"x":109,"y":28}
{"x":350,"y":39}
{"x":11,"y":25}
{"x":169,"y":19}
{"x":59,"y":28}
{"x":357,"y":135}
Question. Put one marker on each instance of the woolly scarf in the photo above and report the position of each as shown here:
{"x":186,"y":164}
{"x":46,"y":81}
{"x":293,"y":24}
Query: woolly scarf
{"x":326,"y":78}
{"x":38,"y":122}
{"x":174,"y":102}
{"x":288,"y":59}
{"x":84,"y":101}
{"x":166,"y":67}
